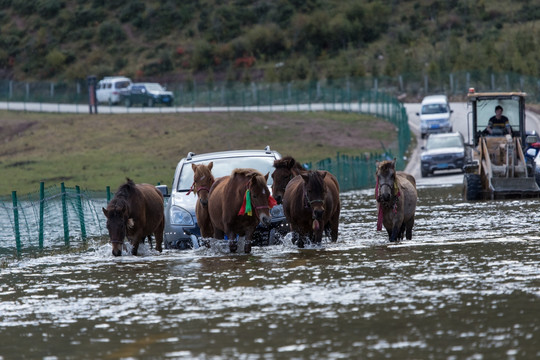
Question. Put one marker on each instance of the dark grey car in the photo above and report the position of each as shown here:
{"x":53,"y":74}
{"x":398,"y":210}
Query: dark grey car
{"x":443,"y":152}
{"x":181,"y":228}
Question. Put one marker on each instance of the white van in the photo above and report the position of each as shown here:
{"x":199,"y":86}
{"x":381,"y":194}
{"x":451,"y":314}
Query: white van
{"x":435,"y":115}
{"x":108,"y":89}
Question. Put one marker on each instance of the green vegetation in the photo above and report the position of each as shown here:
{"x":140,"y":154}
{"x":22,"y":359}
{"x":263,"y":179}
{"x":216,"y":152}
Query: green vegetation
{"x":278,"y":40}
{"x":94,"y":151}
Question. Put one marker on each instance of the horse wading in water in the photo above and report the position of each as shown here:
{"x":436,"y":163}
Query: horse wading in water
{"x":396,"y":197}
{"x":311,"y":204}
{"x":237,"y":204}
{"x":202,"y":182}
{"x":286,"y":169}
{"x":135,"y":212}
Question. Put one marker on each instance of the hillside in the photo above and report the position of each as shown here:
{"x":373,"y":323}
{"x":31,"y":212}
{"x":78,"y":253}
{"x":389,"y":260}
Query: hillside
{"x":278,"y":40}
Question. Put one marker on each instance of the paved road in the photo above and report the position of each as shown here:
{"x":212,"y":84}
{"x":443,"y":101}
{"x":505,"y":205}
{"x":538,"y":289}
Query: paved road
{"x":459,"y":121}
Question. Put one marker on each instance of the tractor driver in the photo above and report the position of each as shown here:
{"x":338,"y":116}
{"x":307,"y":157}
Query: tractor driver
{"x":498,"y":124}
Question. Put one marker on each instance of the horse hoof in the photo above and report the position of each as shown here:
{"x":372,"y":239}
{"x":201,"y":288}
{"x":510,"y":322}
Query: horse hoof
{"x":300,"y":244}
{"x":117,"y":253}
{"x":134,"y":252}
{"x":247,"y":248}
{"x":233,"y":247}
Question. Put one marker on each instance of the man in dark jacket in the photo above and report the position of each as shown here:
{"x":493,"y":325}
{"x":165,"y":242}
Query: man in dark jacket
{"x":499,"y":124}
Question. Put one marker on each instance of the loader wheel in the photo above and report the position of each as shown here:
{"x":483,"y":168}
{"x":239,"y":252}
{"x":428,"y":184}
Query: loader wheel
{"x":472,"y":187}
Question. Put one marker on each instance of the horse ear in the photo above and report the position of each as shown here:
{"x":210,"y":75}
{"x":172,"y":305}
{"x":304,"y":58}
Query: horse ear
{"x":290,"y":163}
{"x":394,"y":163}
{"x":210,"y":165}
{"x":105,"y":212}
{"x":266,"y":176}
{"x":305,"y":177}
{"x":322,"y":173}
{"x":194,"y":167}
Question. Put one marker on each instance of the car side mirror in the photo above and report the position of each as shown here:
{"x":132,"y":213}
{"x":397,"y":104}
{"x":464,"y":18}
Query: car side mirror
{"x":422,"y":148}
{"x":417,"y":114}
{"x":164,"y":190}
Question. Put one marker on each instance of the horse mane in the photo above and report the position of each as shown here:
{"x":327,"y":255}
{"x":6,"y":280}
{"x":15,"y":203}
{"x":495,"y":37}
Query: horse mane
{"x":125,"y":190}
{"x":206,"y":172}
{"x":385,"y":166}
{"x":287,"y":162}
{"x":257,"y":177}
{"x":316,"y":181}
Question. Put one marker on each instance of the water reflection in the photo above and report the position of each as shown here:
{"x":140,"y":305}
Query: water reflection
{"x":466,"y":286}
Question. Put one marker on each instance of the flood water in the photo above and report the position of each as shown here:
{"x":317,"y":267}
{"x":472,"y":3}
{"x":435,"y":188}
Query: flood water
{"x":467,"y":286}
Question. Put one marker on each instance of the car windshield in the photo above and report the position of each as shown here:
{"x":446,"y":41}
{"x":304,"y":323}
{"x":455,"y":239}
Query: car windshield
{"x":486,"y":109}
{"x":154,"y":87}
{"x":434,"y":109}
{"x":122,"y":84}
{"x":225,"y":166}
{"x":440,"y":142}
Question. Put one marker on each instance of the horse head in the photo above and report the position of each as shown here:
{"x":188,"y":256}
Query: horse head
{"x":315,"y":190}
{"x":286,"y":169}
{"x":259,"y":196}
{"x":202,"y":181}
{"x":118,"y":222}
{"x":386,"y":188}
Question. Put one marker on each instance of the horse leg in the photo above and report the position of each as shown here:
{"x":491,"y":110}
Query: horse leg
{"x":158,"y":233}
{"x":297,"y":239}
{"x":135,"y":244}
{"x":233,"y":245}
{"x":149,"y":240}
{"x":395,"y":233}
{"x":247,"y":244}
{"x":409,"y":227}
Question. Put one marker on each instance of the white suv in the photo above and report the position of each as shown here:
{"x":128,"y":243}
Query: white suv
{"x":435,"y":115}
{"x":108,"y":90}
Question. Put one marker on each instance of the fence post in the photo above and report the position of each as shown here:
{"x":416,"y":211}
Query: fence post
{"x":41,"y":212}
{"x":81,"y":214}
{"x":65,"y":214}
{"x":16,"y":222}
{"x":108,"y":194}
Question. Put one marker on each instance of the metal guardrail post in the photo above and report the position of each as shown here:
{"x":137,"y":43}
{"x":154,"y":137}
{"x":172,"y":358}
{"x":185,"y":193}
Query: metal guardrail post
{"x":41,"y":212}
{"x":65,"y":214}
{"x":16,"y":222}
{"x":81,"y":213}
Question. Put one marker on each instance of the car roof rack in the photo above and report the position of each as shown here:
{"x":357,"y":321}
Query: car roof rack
{"x":267,"y":149}
{"x":190,"y":155}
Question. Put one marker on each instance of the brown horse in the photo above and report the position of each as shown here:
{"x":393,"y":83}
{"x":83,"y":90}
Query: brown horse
{"x":286,"y":169}
{"x":135,"y":212}
{"x":396,"y":197}
{"x":202,"y":182}
{"x":311,"y":204}
{"x":233,"y":201}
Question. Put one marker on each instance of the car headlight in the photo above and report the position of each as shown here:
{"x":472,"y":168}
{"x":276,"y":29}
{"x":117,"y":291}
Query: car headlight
{"x":180,"y":216}
{"x":459,"y":155}
{"x":277,"y":211}
{"x":426,"y":157}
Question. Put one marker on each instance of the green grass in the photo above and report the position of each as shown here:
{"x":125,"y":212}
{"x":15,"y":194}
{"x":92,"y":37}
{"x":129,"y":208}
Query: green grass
{"x":95,"y":151}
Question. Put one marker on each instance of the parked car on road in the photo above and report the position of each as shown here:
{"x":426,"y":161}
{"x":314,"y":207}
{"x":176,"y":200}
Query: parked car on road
{"x":435,"y":115}
{"x":442,"y":152}
{"x":181,"y":228}
{"x":147,"y":94}
{"x":109,"y":88}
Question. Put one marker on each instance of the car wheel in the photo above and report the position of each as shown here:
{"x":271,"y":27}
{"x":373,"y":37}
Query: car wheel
{"x":425,"y":173}
{"x":150,"y":102}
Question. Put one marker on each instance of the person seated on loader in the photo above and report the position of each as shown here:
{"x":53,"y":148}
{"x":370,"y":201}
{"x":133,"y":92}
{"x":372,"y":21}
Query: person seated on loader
{"x":498,"y":124}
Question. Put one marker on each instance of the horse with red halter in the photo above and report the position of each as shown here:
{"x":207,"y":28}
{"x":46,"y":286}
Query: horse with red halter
{"x":311,"y":204}
{"x":237,"y":204}
{"x":202,"y":182}
{"x":396,"y":197}
{"x":286,"y":169}
{"x":135,"y":212}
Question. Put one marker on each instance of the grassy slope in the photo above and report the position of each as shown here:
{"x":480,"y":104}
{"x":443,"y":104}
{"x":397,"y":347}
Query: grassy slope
{"x":94,"y":151}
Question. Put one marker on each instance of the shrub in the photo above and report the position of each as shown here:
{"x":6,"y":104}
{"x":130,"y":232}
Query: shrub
{"x":110,"y":31}
{"x":48,"y":8}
